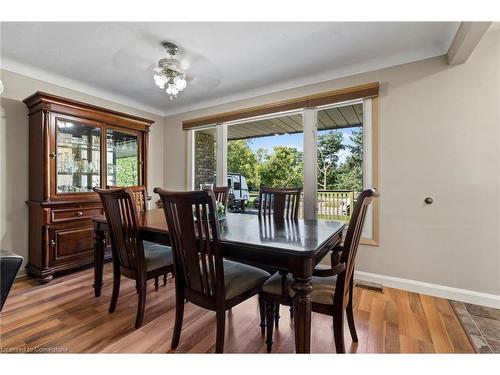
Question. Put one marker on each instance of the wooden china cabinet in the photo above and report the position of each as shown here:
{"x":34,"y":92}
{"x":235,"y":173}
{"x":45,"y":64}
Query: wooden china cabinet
{"x":74,"y":147}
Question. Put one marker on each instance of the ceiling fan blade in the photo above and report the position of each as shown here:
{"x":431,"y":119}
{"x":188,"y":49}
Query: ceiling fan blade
{"x":205,"y":82}
{"x":128,"y":60}
{"x":188,"y":60}
{"x":202,"y":72}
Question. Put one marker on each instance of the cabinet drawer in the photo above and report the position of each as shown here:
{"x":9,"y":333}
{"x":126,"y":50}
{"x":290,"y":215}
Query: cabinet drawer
{"x":67,"y":214}
{"x":71,"y":243}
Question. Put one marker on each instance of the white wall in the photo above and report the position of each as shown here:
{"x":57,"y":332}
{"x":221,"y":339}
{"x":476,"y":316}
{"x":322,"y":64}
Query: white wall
{"x":439,"y":137}
{"x":14,"y":153}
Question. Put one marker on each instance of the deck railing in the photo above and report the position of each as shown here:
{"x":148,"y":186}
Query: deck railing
{"x":335,"y":204}
{"x":332,"y":204}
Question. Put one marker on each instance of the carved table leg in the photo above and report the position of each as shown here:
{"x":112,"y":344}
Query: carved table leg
{"x":98,"y":260}
{"x":302,"y":309}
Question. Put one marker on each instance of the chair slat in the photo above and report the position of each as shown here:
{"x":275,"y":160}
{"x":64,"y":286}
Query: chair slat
{"x":140,"y":194}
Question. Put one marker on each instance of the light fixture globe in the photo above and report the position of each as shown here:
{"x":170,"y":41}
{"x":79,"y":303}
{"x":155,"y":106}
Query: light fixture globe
{"x":160,"y":80}
{"x":171,"y":90}
{"x":180,"y":83}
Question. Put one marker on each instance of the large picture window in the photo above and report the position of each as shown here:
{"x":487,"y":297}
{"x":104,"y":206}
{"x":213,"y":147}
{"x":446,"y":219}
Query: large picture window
{"x":330,"y":151}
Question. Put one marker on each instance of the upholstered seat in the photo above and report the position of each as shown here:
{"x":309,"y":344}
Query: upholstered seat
{"x":239,"y":278}
{"x":157,"y":256}
{"x":323,"y":288}
{"x":9,"y":266}
{"x":322,"y":267}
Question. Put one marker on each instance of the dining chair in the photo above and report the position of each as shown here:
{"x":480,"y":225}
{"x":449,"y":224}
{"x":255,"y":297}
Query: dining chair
{"x":221,"y":195}
{"x":132,"y":257}
{"x":140,"y":194}
{"x":202,"y":276}
{"x":332,"y":288}
{"x":280,"y":203}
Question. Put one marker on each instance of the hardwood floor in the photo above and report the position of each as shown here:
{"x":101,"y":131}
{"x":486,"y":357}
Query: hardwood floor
{"x":64,"y":316}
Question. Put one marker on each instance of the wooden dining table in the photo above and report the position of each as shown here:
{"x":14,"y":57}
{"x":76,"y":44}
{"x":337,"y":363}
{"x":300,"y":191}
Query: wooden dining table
{"x":292,"y":245}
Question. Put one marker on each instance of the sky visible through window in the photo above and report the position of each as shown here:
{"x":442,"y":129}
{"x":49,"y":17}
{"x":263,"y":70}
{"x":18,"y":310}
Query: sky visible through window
{"x":297,"y":140}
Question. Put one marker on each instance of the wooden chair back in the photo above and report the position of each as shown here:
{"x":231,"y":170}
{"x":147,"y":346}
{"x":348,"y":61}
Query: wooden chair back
{"x":194,"y":232}
{"x":121,"y":214}
{"x":281,"y":203}
{"x":221,"y":194}
{"x":140,"y":194}
{"x":351,"y":244}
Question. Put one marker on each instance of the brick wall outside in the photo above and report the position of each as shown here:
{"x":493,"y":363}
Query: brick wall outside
{"x":204,"y":159}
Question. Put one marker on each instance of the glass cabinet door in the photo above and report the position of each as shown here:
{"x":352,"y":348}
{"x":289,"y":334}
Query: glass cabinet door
{"x":78,"y":156}
{"x":122,"y":158}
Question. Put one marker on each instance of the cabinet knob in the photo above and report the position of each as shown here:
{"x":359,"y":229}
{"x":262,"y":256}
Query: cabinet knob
{"x":79,"y":213}
{"x":52,"y":155}
{"x":52,"y":243}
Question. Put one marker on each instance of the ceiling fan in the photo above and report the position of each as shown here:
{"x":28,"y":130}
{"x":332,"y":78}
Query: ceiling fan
{"x":173,"y":73}
{"x":169,"y":75}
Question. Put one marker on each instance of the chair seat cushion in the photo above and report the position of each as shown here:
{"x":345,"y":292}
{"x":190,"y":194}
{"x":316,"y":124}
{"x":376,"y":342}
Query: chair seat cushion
{"x":323,"y":287}
{"x":157,"y":256}
{"x":239,"y":278}
{"x":9,"y":266}
{"x":322,"y":267}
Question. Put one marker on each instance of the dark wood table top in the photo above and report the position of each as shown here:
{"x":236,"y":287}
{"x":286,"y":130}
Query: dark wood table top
{"x":293,"y":237}
{"x":284,"y":236}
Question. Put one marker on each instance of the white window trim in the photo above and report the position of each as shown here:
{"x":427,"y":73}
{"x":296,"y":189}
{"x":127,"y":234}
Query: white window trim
{"x":190,"y":160}
{"x":310,"y":138}
{"x":221,"y":155}
{"x":367,"y":232}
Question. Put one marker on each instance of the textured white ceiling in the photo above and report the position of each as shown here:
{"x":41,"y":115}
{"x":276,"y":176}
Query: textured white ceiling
{"x":229,"y":61}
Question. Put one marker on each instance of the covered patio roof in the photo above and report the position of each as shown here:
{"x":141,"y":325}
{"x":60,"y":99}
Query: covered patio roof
{"x":347,"y":116}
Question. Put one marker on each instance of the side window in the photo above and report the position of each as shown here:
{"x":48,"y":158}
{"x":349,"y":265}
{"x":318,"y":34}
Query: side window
{"x":237,"y":185}
{"x":229,"y":182}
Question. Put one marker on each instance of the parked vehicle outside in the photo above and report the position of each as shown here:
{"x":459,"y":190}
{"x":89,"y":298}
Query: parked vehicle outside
{"x":238,"y":188}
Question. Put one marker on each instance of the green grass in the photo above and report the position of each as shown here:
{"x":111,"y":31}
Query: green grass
{"x":251,"y":198}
